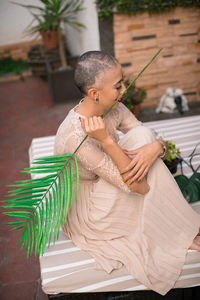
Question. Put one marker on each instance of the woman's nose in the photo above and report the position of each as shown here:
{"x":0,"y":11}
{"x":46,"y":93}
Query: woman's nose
{"x":123,"y":87}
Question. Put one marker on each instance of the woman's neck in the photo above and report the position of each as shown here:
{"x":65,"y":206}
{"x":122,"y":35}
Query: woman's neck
{"x":88,"y":108}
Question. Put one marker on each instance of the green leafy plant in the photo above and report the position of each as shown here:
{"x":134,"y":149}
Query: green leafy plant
{"x":173,"y":158}
{"x":133,"y":96}
{"x":190,"y":187}
{"x":40,"y":205}
{"x":50,"y":15}
{"x":173,"y":152}
{"x":106,"y":7}
{"x":8,"y":65}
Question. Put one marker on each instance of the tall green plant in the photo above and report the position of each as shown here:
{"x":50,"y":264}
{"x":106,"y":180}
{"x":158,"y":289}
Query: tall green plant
{"x":40,"y":205}
{"x":50,"y":15}
{"x":190,"y":187}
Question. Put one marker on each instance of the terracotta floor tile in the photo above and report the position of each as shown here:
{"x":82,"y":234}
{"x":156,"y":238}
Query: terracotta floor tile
{"x":16,"y":267}
{"x":40,"y":294}
{"x":19,"y":291}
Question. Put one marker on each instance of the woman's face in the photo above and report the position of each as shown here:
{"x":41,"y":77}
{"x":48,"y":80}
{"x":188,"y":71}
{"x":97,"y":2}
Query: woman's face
{"x":112,"y":88}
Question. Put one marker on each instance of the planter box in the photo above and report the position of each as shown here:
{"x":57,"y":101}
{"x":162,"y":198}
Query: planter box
{"x":61,"y":83}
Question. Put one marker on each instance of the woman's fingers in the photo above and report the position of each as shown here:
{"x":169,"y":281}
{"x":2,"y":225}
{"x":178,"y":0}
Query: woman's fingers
{"x":129,"y":167}
{"x":95,"y":128}
{"x":138,"y":172}
{"x":133,"y":172}
{"x":91,"y":124}
{"x":139,"y":175}
{"x":143,"y":174}
{"x":131,"y":152}
{"x":86,"y":124}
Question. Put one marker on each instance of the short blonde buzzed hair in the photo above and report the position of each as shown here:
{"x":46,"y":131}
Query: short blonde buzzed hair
{"x":90,"y":66}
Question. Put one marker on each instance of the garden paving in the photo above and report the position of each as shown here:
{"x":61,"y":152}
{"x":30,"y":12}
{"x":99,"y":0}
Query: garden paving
{"x":27,"y":111}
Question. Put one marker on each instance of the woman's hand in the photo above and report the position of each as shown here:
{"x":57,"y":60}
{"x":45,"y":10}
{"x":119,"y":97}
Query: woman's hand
{"x":143,"y":159}
{"x":95,"y":128}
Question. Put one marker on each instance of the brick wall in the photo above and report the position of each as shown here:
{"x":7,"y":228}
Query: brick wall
{"x":17,"y":51}
{"x":138,"y":37}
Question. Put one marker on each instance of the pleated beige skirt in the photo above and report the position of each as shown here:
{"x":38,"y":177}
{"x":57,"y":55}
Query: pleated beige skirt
{"x":149,"y":235}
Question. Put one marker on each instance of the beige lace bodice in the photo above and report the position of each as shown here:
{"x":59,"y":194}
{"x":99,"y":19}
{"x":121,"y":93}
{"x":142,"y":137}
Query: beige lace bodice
{"x":93,"y":162}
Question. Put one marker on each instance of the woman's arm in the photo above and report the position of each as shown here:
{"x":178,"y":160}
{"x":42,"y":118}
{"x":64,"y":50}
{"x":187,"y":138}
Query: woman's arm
{"x":95,"y":128}
{"x":143,"y":159}
{"x":144,"y":156}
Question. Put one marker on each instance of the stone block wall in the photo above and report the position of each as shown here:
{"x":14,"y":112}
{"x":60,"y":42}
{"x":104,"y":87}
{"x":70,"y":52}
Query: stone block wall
{"x":138,"y":37}
{"x":18,"y":50}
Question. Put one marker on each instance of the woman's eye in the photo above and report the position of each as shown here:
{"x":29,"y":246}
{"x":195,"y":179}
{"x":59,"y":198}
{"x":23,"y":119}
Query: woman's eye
{"x":119,"y":87}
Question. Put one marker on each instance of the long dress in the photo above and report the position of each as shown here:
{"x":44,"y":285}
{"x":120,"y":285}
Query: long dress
{"x":148,"y":234}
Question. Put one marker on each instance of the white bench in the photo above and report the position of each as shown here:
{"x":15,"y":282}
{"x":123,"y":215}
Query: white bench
{"x":72,"y":270}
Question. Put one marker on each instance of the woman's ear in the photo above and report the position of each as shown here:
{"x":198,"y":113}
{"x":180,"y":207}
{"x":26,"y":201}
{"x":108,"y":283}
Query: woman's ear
{"x":93,"y":93}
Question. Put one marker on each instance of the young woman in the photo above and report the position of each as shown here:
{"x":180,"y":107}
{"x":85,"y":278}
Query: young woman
{"x":130,"y":210}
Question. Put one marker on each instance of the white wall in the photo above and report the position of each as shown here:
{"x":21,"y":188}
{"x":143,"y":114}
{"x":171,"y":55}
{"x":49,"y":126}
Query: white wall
{"x":84,"y":39}
{"x":14,"y":19}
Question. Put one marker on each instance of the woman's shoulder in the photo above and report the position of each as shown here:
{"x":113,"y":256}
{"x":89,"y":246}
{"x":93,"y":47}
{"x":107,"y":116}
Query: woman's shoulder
{"x":119,"y":111}
{"x":122,"y":108}
{"x":71,"y":121}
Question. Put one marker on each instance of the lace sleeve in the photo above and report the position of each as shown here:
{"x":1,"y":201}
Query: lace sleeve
{"x":127,"y":119}
{"x":93,"y":158}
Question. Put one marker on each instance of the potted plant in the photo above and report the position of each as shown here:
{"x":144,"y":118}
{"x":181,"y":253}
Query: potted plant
{"x":190,"y":187}
{"x":49,"y":17}
{"x":133,"y":97}
{"x":173,"y":158}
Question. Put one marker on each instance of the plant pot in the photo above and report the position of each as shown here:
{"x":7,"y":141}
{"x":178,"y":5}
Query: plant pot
{"x":172,"y":165}
{"x":50,"y":38}
{"x":61,"y":83}
{"x":136,"y":110}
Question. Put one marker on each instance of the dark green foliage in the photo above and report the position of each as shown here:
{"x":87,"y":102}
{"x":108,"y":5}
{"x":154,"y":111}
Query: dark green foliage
{"x":51,"y":13}
{"x":133,"y":96}
{"x":8,"y":65}
{"x":106,"y":7}
{"x":190,"y":187}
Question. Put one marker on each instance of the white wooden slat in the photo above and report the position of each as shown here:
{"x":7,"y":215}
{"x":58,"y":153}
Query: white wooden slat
{"x":102,"y":284}
{"x":173,"y":122}
{"x":67,"y":266}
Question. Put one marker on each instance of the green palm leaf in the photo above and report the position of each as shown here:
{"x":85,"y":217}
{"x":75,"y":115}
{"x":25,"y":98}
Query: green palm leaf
{"x":37,"y":204}
{"x":40,"y":206}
